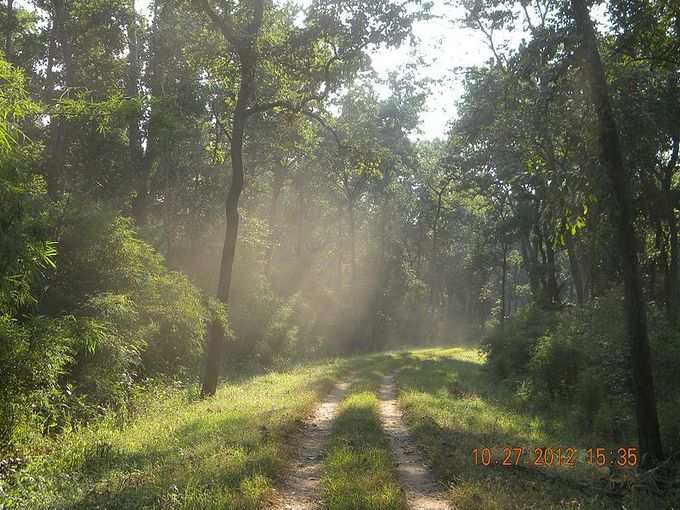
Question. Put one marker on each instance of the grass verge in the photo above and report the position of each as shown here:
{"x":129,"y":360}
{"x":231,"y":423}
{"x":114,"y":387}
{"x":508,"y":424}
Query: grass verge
{"x":452,"y":407}
{"x":214,"y":454}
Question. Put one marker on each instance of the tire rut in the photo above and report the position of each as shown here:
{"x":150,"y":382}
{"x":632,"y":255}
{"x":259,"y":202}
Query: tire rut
{"x":420,"y":488}
{"x":301,"y":486}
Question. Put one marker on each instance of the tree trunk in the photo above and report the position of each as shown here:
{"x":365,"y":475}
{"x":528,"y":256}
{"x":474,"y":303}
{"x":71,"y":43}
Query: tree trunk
{"x":530,"y":261}
{"x":216,"y":340}
{"x":612,"y":159}
{"x":49,"y":68}
{"x":9,"y":31}
{"x":352,"y":244}
{"x":504,"y":277}
{"x":576,"y":273}
{"x":59,"y":127}
{"x":340,"y":250}
{"x":134,"y":133}
{"x":379,"y":306}
{"x":277,"y":186}
{"x":673,"y":301}
{"x":656,"y":259}
{"x":434,"y":280}
{"x":552,"y":287}
{"x":244,"y":42}
{"x":673,"y":297}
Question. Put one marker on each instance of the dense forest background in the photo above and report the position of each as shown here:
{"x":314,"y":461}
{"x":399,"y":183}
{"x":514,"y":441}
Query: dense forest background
{"x":227,"y":186}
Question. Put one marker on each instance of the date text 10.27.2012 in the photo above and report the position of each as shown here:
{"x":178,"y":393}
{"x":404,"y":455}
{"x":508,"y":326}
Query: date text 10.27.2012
{"x":559,"y":457}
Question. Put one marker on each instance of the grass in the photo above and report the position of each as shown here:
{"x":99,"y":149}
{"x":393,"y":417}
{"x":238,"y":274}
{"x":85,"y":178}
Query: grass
{"x":227,"y":452}
{"x":453,"y":407}
{"x":222,"y":453}
{"x":358,"y":468}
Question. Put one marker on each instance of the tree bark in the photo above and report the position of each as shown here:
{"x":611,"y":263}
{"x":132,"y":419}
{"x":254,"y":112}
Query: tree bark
{"x":352,"y":244}
{"x":339,"y":248}
{"x":277,"y":186}
{"x":245,"y":46}
{"x":552,"y":287}
{"x":434,"y":280}
{"x":673,"y":292}
{"x":9,"y":32}
{"x":612,"y":159}
{"x":59,"y":127}
{"x":134,"y":132}
{"x":576,"y":273}
{"x":504,"y":277}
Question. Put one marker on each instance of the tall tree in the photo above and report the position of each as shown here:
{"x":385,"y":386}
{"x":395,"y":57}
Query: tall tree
{"x":340,"y":32}
{"x":613,"y":162}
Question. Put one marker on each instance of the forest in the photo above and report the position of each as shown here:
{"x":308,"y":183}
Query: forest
{"x":242,"y":268}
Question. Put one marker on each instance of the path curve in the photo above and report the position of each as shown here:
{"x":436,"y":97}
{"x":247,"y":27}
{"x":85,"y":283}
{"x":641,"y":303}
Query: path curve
{"x":420,"y":488}
{"x":301,"y":486}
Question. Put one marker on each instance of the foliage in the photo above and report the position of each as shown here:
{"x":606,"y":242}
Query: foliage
{"x":140,"y":461}
{"x":509,"y":352}
{"x":453,"y":407}
{"x":34,"y":356}
{"x":577,"y":360}
{"x":26,"y":251}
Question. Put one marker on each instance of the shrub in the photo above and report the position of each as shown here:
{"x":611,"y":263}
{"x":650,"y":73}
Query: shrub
{"x":112,"y":316}
{"x":34,"y":355}
{"x":581,"y":363}
{"x":508,"y":352}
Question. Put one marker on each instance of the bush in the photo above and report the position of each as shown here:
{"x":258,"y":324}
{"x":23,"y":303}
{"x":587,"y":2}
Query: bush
{"x":34,"y":355}
{"x":578,"y":359}
{"x":112,"y":316}
{"x":508,"y":352}
{"x":269,"y":329}
{"x":150,"y":321}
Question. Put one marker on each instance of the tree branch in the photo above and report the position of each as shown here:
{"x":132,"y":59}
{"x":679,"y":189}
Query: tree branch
{"x":223,"y":22}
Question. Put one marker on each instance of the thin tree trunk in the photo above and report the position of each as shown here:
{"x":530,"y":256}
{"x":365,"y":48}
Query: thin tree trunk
{"x":552,"y":287}
{"x":433,"y":264}
{"x":277,"y":186}
{"x":611,"y":156}
{"x":58,"y":127}
{"x":49,"y":69}
{"x":245,"y":43}
{"x":530,"y":261}
{"x":10,"y":29}
{"x":673,"y":301}
{"x":576,"y":273}
{"x":340,"y":250}
{"x":377,"y":322}
{"x":217,"y":340}
{"x":419,"y":247}
{"x":352,"y":244}
{"x":504,"y":277}
{"x":656,"y":259}
{"x":673,"y":297}
{"x":134,"y":133}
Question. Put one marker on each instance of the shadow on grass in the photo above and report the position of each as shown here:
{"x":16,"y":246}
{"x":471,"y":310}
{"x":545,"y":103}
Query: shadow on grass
{"x":358,"y":470}
{"x":207,"y":456}
{"x":456,"y":390}
{"x":223,"y":457}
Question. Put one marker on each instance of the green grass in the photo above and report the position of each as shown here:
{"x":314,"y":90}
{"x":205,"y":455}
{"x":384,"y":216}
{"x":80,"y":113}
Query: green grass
{"x":358,"y":468}
{"x":227,"y":452}
{"x":221,"y":453}
{"x":452,"y":406}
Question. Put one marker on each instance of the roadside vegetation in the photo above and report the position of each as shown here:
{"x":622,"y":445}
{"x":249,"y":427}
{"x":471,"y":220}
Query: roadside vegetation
{"x":453,"y":406}
{"x":178,"y":452}
{"x":197,"y":197}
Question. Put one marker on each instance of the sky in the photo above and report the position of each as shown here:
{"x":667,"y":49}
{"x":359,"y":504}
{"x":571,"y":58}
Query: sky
{"x":445,"y":45}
